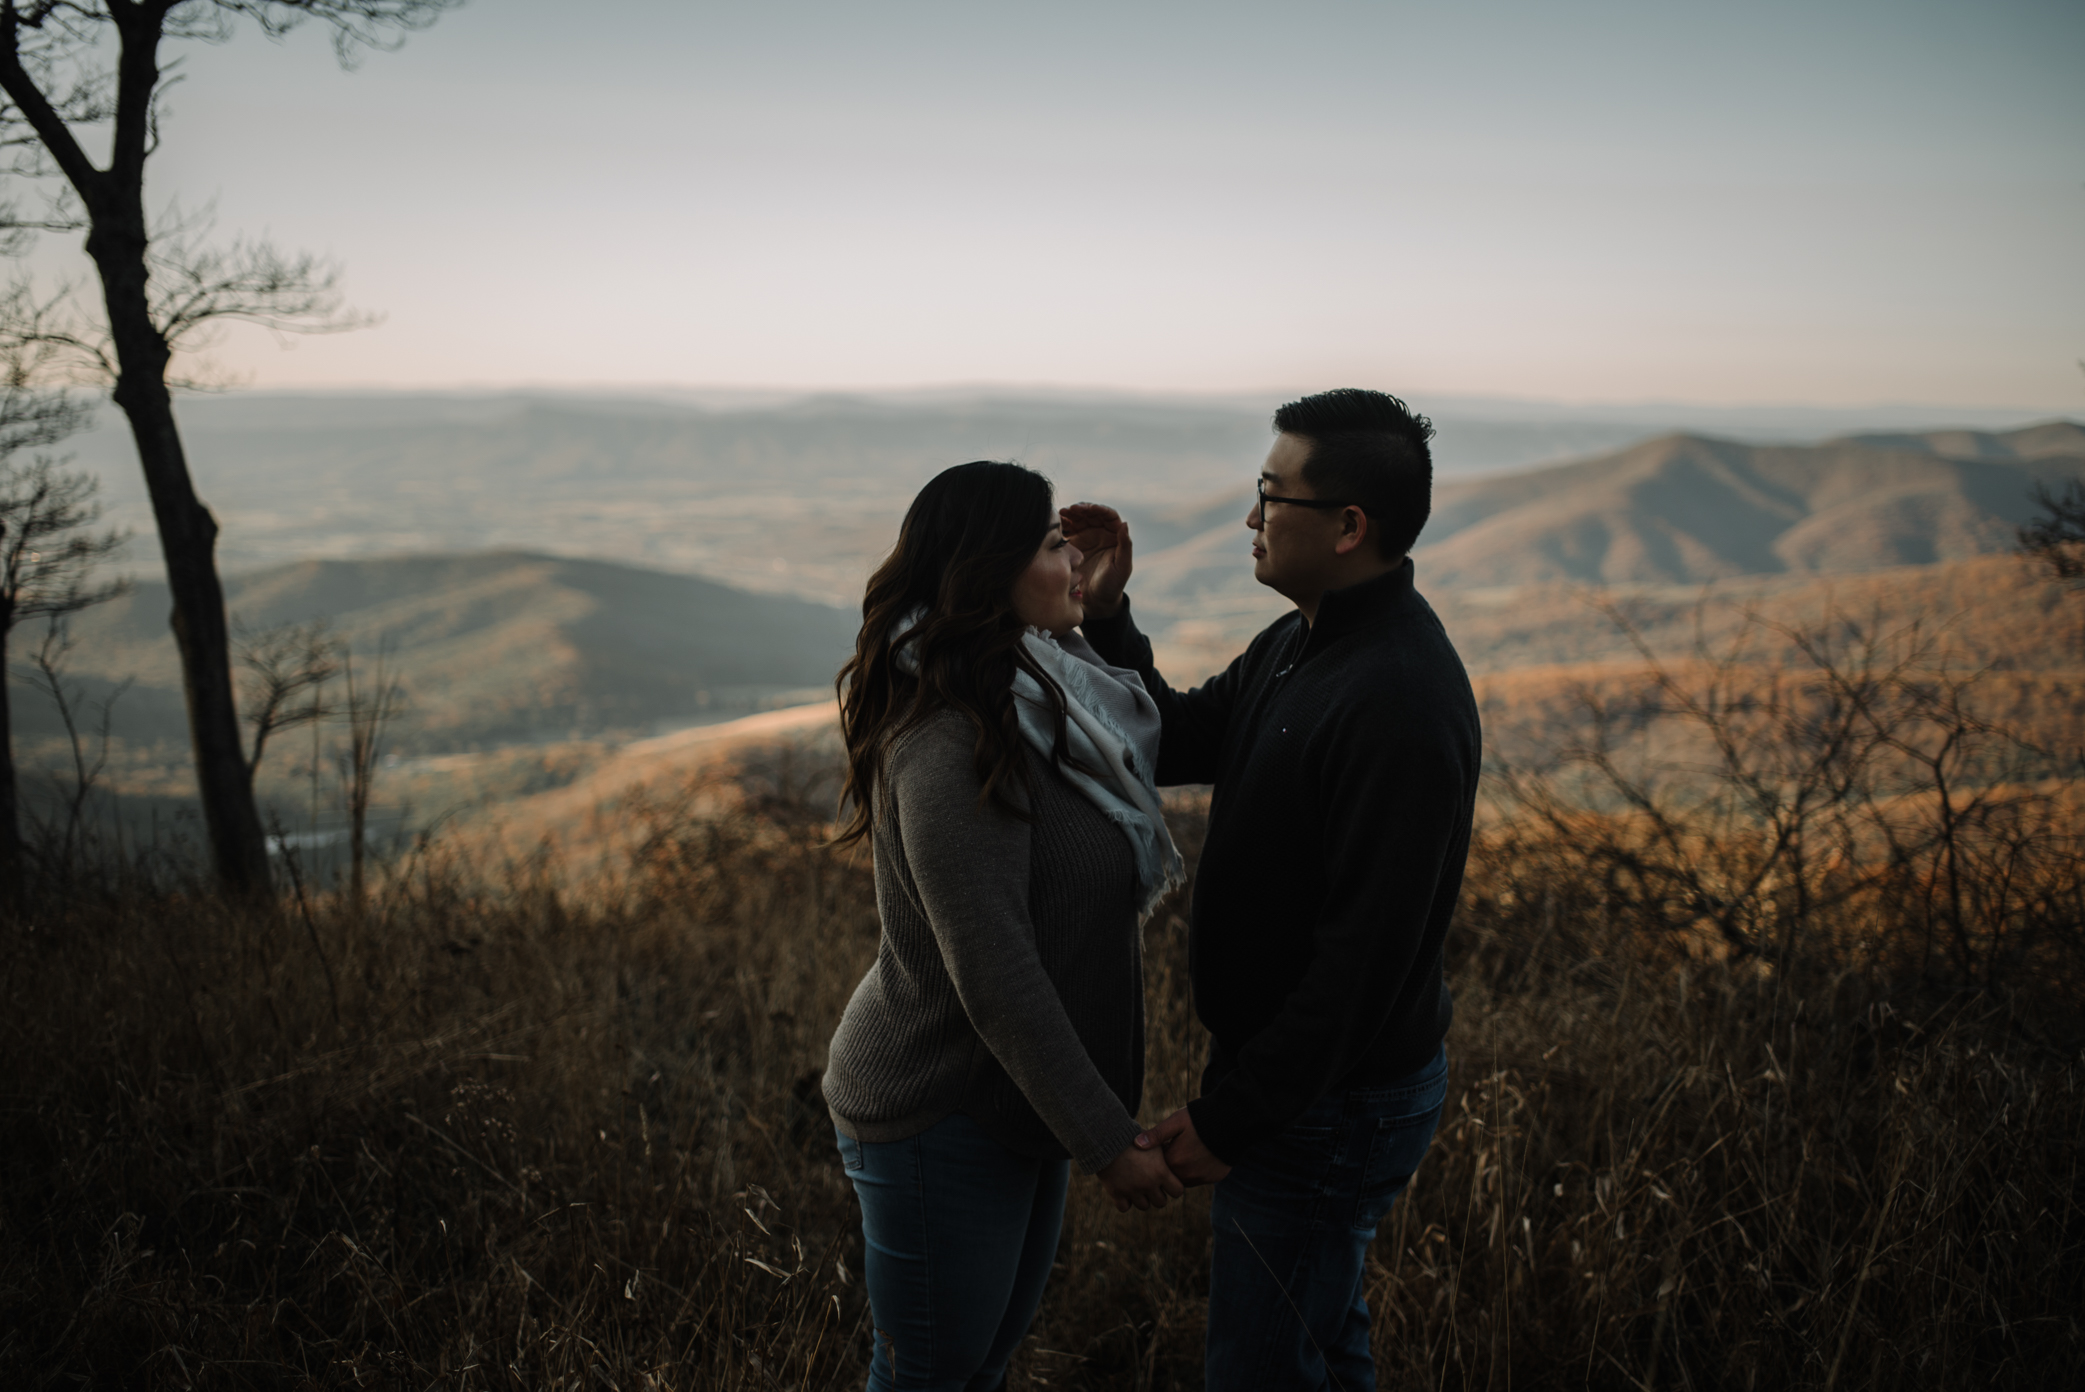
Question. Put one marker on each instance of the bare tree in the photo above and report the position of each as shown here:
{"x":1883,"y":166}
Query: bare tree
{"x":2056,"y":538}
{"x":290,"y":667}
{"x":369,"y":709}
{"x":48,"y":551}
{"x":66,"y":833}
{"x":78,"y":73}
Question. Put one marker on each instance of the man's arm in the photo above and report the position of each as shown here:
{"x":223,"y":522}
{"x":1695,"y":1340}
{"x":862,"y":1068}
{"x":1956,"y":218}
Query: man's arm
{"x":1400,"y":812}
{"x":1193,"y":722}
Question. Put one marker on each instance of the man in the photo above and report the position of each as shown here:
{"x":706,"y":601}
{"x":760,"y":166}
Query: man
{"x":1344,"y":748}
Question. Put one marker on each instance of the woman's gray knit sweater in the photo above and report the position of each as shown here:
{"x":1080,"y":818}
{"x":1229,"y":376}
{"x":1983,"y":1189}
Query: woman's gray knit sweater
{"x":1009,"y":984}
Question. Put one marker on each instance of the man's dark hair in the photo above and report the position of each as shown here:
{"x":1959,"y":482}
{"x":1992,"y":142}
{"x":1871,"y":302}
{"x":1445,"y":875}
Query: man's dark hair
{"x":1369,"y":449}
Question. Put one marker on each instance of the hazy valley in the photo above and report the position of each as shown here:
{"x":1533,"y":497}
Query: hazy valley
{"x":795,"y":497}
{"x":459,"y":539}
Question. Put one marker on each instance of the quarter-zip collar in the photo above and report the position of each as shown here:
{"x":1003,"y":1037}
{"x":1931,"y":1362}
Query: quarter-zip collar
{"x":1341,"y":612}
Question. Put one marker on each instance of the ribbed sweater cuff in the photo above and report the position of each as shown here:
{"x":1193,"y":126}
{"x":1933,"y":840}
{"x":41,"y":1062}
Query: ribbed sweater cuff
{"x":1099,"y":1150}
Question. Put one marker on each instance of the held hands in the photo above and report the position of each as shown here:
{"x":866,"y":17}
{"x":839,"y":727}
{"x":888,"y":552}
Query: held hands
{"x":1138,"y":1178}
{"x":1190,"y":1161}
{"x":1154,"y":1168}
{"x":1103,"y":537}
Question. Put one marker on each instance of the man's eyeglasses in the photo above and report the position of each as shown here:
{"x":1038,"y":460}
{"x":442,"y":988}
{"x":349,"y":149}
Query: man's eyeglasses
{"x":1260,"y":486}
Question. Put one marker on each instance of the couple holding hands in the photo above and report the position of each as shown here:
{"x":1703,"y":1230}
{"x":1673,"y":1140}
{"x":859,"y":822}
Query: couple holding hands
{"x":1006,"y":735}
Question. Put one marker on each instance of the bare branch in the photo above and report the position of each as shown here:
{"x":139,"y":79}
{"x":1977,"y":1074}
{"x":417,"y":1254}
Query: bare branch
{"x":195,"y":286}
{"x":52,"y":337}
{"x":370,"y":709}
{"x":47,"y":675}
{"x":195,"y":290}
{"x":2057,"y":537}
{"x":357,"y":25}
{"x":290,"y":665}
{"x":48,"y":549}
{"x":32,"y":73}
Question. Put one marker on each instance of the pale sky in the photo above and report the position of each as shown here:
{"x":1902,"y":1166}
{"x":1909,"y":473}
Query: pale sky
{"x":1821,"y":203}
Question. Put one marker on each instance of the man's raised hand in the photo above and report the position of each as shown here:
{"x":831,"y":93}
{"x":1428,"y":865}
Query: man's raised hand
{"x":1103,"y":537}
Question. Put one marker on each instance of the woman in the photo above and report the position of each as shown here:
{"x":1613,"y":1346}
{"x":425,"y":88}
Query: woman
{"x":1002,"y":774}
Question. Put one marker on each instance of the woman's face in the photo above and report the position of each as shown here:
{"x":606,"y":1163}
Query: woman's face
{"x":1047,"y":595}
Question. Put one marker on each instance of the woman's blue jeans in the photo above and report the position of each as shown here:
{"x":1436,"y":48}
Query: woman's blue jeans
{"x":1293,"y":1221}
{"x":960,"y":1233}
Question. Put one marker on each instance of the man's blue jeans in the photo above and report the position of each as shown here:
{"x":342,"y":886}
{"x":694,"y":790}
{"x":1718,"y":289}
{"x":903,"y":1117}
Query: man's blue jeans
{"x":960,"y":1233}
{"x":1293,"y":1221}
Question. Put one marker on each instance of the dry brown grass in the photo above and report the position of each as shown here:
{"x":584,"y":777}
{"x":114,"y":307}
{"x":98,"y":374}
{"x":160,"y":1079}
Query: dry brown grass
{"x":1766,"y":1073}
{"x":506,"y":1134}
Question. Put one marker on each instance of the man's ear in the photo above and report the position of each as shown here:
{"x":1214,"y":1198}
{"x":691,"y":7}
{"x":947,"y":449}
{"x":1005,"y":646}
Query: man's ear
{"x":1353,"y":531}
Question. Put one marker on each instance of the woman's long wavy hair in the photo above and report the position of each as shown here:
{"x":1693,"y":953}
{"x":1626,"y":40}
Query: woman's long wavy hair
{"x":965,"y":540}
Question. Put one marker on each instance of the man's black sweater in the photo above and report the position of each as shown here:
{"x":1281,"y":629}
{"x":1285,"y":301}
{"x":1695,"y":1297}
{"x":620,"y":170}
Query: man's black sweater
{"x":1345,"y":757}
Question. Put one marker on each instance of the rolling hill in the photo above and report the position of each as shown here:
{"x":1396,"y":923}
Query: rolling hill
{"x":796,"y":496}
{"x":1537,"y":658}
{"x":514,"y":646}
{"x":500,"y":646}
{"x":1676,"y":510}
{"x":1685,"y":509}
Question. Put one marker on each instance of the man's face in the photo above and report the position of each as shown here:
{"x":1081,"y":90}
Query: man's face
{"x":1293,"y":548}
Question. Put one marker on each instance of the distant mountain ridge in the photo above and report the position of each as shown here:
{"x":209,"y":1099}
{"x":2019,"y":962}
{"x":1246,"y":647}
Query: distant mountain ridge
{"x":2056,"y":439}
{"x":799,"y":496}
{"x":517,"y":645}
{"x":1687,"y":509}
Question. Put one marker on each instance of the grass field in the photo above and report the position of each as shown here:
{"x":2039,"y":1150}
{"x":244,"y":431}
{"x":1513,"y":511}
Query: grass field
{"x":502,"y":1134}
{"x":1767,"y":1076}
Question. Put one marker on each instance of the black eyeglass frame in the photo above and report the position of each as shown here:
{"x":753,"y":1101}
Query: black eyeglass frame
{"x":1260,"y":487}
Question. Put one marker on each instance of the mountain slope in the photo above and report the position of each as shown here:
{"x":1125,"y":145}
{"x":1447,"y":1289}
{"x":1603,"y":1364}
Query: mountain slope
{"x":507,"y":645}
{"x":1685,"y":509}
{"x":677,"y":484}
{"x":1677,"y":510}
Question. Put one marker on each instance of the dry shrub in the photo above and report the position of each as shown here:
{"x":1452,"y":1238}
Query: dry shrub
{"x":507,"y":1132}
{"x":1824,"y":795}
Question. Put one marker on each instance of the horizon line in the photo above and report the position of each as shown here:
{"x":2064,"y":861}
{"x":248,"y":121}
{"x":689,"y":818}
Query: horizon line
{"x":754,"y":395}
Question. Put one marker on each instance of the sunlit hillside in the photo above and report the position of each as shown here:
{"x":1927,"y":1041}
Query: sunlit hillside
{"x":1678,"y":510}
{"x":525,"y":671}
{"x":497,"y":647}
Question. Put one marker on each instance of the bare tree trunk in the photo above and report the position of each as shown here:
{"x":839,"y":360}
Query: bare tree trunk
{"x":10,"y":810}
{"x":114,"y":199}
{"x":369,"y":711}
{"x":358,"y":850}
{"x":187,"y":532}
{"x":188,"y":540}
